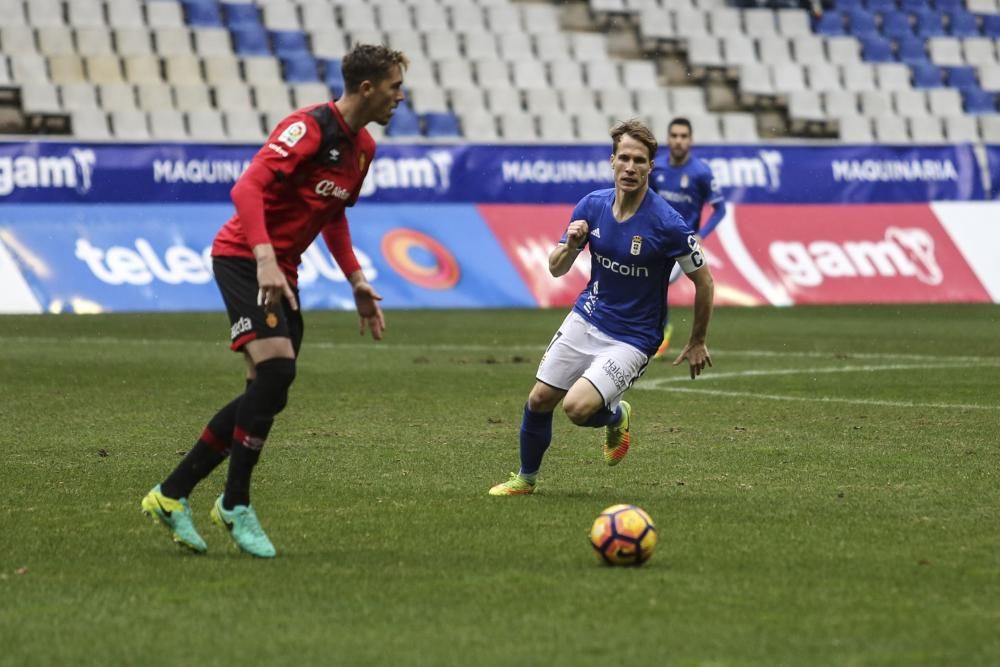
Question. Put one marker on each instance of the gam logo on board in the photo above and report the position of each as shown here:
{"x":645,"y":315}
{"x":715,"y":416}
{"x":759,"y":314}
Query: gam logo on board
{"x":72,"y":171}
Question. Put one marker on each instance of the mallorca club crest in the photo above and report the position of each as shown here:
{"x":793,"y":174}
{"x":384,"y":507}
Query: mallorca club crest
{"x":636,"y":245}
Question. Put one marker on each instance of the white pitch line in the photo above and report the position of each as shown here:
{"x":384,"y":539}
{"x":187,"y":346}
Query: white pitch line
{"x":712,"y":375}
{"x":830,"y":399}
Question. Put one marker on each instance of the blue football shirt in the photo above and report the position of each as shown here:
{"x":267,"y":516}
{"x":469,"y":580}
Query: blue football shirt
{"x":687,"y":187}
{"x":630,"y":263}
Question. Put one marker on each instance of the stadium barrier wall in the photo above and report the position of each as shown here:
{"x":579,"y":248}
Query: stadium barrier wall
{"x":97,"y":228}
{"x":134,"y":257}
{"x":475,"y":174}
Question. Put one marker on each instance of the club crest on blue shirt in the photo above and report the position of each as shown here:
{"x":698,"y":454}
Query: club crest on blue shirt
{"x":684,"y":180}
{"x":636,"y":245}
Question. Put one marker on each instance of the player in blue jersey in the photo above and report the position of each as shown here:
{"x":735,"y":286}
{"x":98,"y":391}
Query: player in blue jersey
{"x":616,"y":325}
{"x":687,"y":184}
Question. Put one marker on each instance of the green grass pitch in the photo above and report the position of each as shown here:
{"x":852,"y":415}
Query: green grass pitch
{"x":827,"y":494}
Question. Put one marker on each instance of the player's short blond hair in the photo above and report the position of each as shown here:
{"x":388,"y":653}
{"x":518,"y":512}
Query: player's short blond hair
{"x":638,"y":131}
{"x":369,"y":62}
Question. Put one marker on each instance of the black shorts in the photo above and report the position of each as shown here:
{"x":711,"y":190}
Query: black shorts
{"x":237,"y":281}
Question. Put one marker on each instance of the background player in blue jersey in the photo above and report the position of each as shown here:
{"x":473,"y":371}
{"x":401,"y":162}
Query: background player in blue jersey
{"x":605,"y":342}
{"x":687,"y":184}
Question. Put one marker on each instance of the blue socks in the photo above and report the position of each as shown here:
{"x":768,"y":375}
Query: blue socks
{"x":603,"y":417}
{"x":536,"y":434}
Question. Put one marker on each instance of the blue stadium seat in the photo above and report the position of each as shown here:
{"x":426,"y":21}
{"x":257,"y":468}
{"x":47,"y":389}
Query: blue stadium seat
{"x":962,"y":78}
{"x":333,"y":76}
{"x":299,"y":68}
{"x":912,"y":5}
{"x":861,"y":23}
{"x":289,"y":42}
{"x":926,"y":75}
{"x":241,"y":14}
{"x":979,"y":101}
{"x":930,"y":23}
{"x":404,"y":123}
{"x":202,"y":13}
{"x":845,"y":5}
{"x":250,"y":40}
{"x":991,"y":25}
{"x":962,"y":24}
{"x":896,"y":25}
{"x":911,"y":50}
{"x":830,"y":24}
{"x":875,"y":49}
{"x":442,"y":124}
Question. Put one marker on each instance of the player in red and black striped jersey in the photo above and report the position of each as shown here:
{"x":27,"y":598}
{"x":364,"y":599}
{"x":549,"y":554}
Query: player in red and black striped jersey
{"x":297,"y":187}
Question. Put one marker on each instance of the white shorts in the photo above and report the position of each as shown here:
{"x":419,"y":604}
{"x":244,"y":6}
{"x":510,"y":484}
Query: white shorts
{"x":580,"y":349}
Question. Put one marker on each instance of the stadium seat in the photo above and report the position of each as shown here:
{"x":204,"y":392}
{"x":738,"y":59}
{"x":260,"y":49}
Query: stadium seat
{"x":445,"y":124}
{"x":232,"y":94}
{"x":103,"y":68}
{"x":241,"y":14}
{"x":129,"y":125}
{"x":930,"y":23}
{"x":926,"y":130}
{"x":989,"y":77}
{"x":44,"y":13}
{"x":243,"y":125}
{"x":182,"y":69}
{"x":976,"y":101}
{"x":961,"y":129}
{"x":167,"y":125}
{"x":842,"y":51}
{"x":133,"y":41}
{"x":875,"y":103}
{"x":250,"y":40}
{"x":304,"y":94}
{"x":991,"y":25}
{"x":979,"y":51}
{"x":926,"y":75}
{"x":201,"y":12}
{"x":962,"y":77}
{"x":192,"y":97}
{"x":479,"y":125}
{"x":152,"y":96}
{"x":164,"y":14}
{"x":206,"y":125}
{"x":861,"y":23}
{"x":892,"y":76}
{"x":553,"y":128}
{"x":125,"y":14}
{"x":280,"y":15}
{"x":90,"y":125}
{"x":538,"y":102}
{"x":66,"y":69}
{"x":876,"y":49}
{"x":299,"y":68}
{"x":806,"y":105}
{"x":944,"y":101}
{"x":840,"y":103}
{"x":962,"y":24}
{"x":896,"y":25}
{"x":891,"y":130}
{"x":273,"y":99}
{"x":55,"y":40}
{"x":404,"y":123}
{"x":41,"y":97}
{"x":261,"y":69}
{"x":78,"y":96}
{"x":989,"y":128}
{"x":912,"y":50}
{"x":222,"y":69}
{"x":94,"y":41}
{"x":117,"y":97}
{"x":288,"y":43}
{"x":138,"y":69}
{"x":878,"y":6}
{"x":855,"y":130}
{"x":172,"y":42}
{"x":211,"y":42}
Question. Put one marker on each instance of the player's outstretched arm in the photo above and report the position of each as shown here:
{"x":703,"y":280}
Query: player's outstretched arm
{"x":366,"y":301}
{"x":563,"y":255}
{"x":696,"y":350}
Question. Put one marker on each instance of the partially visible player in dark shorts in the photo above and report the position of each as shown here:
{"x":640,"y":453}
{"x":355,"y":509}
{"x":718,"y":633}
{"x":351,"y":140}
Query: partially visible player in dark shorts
{"x":237,"y":280}
{"x":296,"y":188}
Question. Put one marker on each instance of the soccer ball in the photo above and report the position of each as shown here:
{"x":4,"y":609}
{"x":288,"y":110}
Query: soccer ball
{"x":623,"y":535}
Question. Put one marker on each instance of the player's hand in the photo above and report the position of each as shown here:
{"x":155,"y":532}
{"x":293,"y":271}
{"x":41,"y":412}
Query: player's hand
{"x":273,"y":285}
{"x":576,"y":234}
{"x":697,"y":356}
{"x":366,"y":300}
